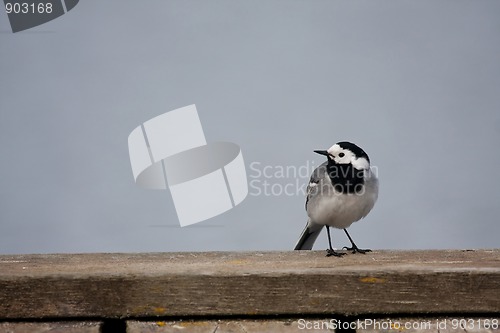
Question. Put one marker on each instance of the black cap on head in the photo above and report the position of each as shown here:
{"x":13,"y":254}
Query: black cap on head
{"x":354,"y":148}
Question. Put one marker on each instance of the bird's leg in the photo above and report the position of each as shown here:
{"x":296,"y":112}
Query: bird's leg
{"x":331,"y":252}
{"x":354,"y":248}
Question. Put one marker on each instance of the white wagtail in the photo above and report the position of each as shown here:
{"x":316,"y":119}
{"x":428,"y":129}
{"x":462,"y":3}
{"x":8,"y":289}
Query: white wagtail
{"x":341,"y":191}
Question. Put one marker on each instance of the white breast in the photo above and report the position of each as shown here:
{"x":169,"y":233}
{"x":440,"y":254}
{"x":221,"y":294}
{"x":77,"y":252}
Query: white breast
{"x":329,"y":207}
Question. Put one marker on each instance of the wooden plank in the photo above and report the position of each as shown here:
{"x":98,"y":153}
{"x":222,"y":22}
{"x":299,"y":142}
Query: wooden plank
{"x":322,"y":325}
{"x":220,"y":326}
{"x":172,"y":327}
{"x":52,"y":327}
{"x":248,"y":284}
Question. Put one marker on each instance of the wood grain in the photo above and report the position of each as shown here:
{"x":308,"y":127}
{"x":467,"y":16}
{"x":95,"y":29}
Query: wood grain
{"x":320,"y":325}
{"x":52,"y":327}
{"x":249,"y":284}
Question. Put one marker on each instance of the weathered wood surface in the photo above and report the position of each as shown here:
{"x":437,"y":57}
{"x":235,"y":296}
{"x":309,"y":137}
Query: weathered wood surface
{"x":248,"y":284}
{"x":218,"y":326}
{"x":52,"y":327}
{"x":321,"y":325}
{"x":316,"y":325}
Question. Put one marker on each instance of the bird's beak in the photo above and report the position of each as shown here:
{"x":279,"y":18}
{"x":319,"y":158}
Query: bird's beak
{"x":321,"y":152}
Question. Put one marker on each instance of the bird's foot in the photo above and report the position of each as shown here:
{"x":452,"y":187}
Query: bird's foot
{"x":355,"y":249}
{"x":331,"y":252}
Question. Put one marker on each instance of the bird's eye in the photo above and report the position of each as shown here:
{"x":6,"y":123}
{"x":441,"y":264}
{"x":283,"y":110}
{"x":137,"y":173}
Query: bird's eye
{"x":341,"y":155}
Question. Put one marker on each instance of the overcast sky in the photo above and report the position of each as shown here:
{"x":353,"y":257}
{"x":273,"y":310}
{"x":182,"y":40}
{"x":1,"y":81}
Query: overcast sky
{"x":414,"y":83}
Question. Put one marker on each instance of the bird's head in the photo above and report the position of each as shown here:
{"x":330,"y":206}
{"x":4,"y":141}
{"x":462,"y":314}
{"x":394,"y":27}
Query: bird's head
{"x":346,"y":153}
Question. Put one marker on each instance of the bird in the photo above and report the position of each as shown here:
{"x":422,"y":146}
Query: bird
{"x":341,"y":191}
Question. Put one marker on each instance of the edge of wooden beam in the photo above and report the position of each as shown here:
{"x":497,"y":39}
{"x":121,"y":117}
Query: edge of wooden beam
{"x":248,"y":284}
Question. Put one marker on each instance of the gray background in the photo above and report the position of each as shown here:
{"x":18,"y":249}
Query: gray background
{"x":415,"y":83}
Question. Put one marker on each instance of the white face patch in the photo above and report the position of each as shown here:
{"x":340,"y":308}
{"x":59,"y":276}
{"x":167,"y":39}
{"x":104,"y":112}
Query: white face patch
{"x":334,"y":152}
{"x":345,"y":156}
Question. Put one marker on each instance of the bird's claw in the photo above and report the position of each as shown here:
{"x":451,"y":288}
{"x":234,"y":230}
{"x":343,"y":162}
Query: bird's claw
{"x":355,"y":249}
{"x":330,"y":252}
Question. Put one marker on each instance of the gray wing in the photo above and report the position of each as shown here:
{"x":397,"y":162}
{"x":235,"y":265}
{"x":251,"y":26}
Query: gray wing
{"x":312,"y":230}
{"x":316,"y":177}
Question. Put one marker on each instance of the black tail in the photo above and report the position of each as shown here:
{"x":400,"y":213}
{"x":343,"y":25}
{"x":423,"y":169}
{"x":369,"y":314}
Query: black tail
{"x":308,"y":237}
